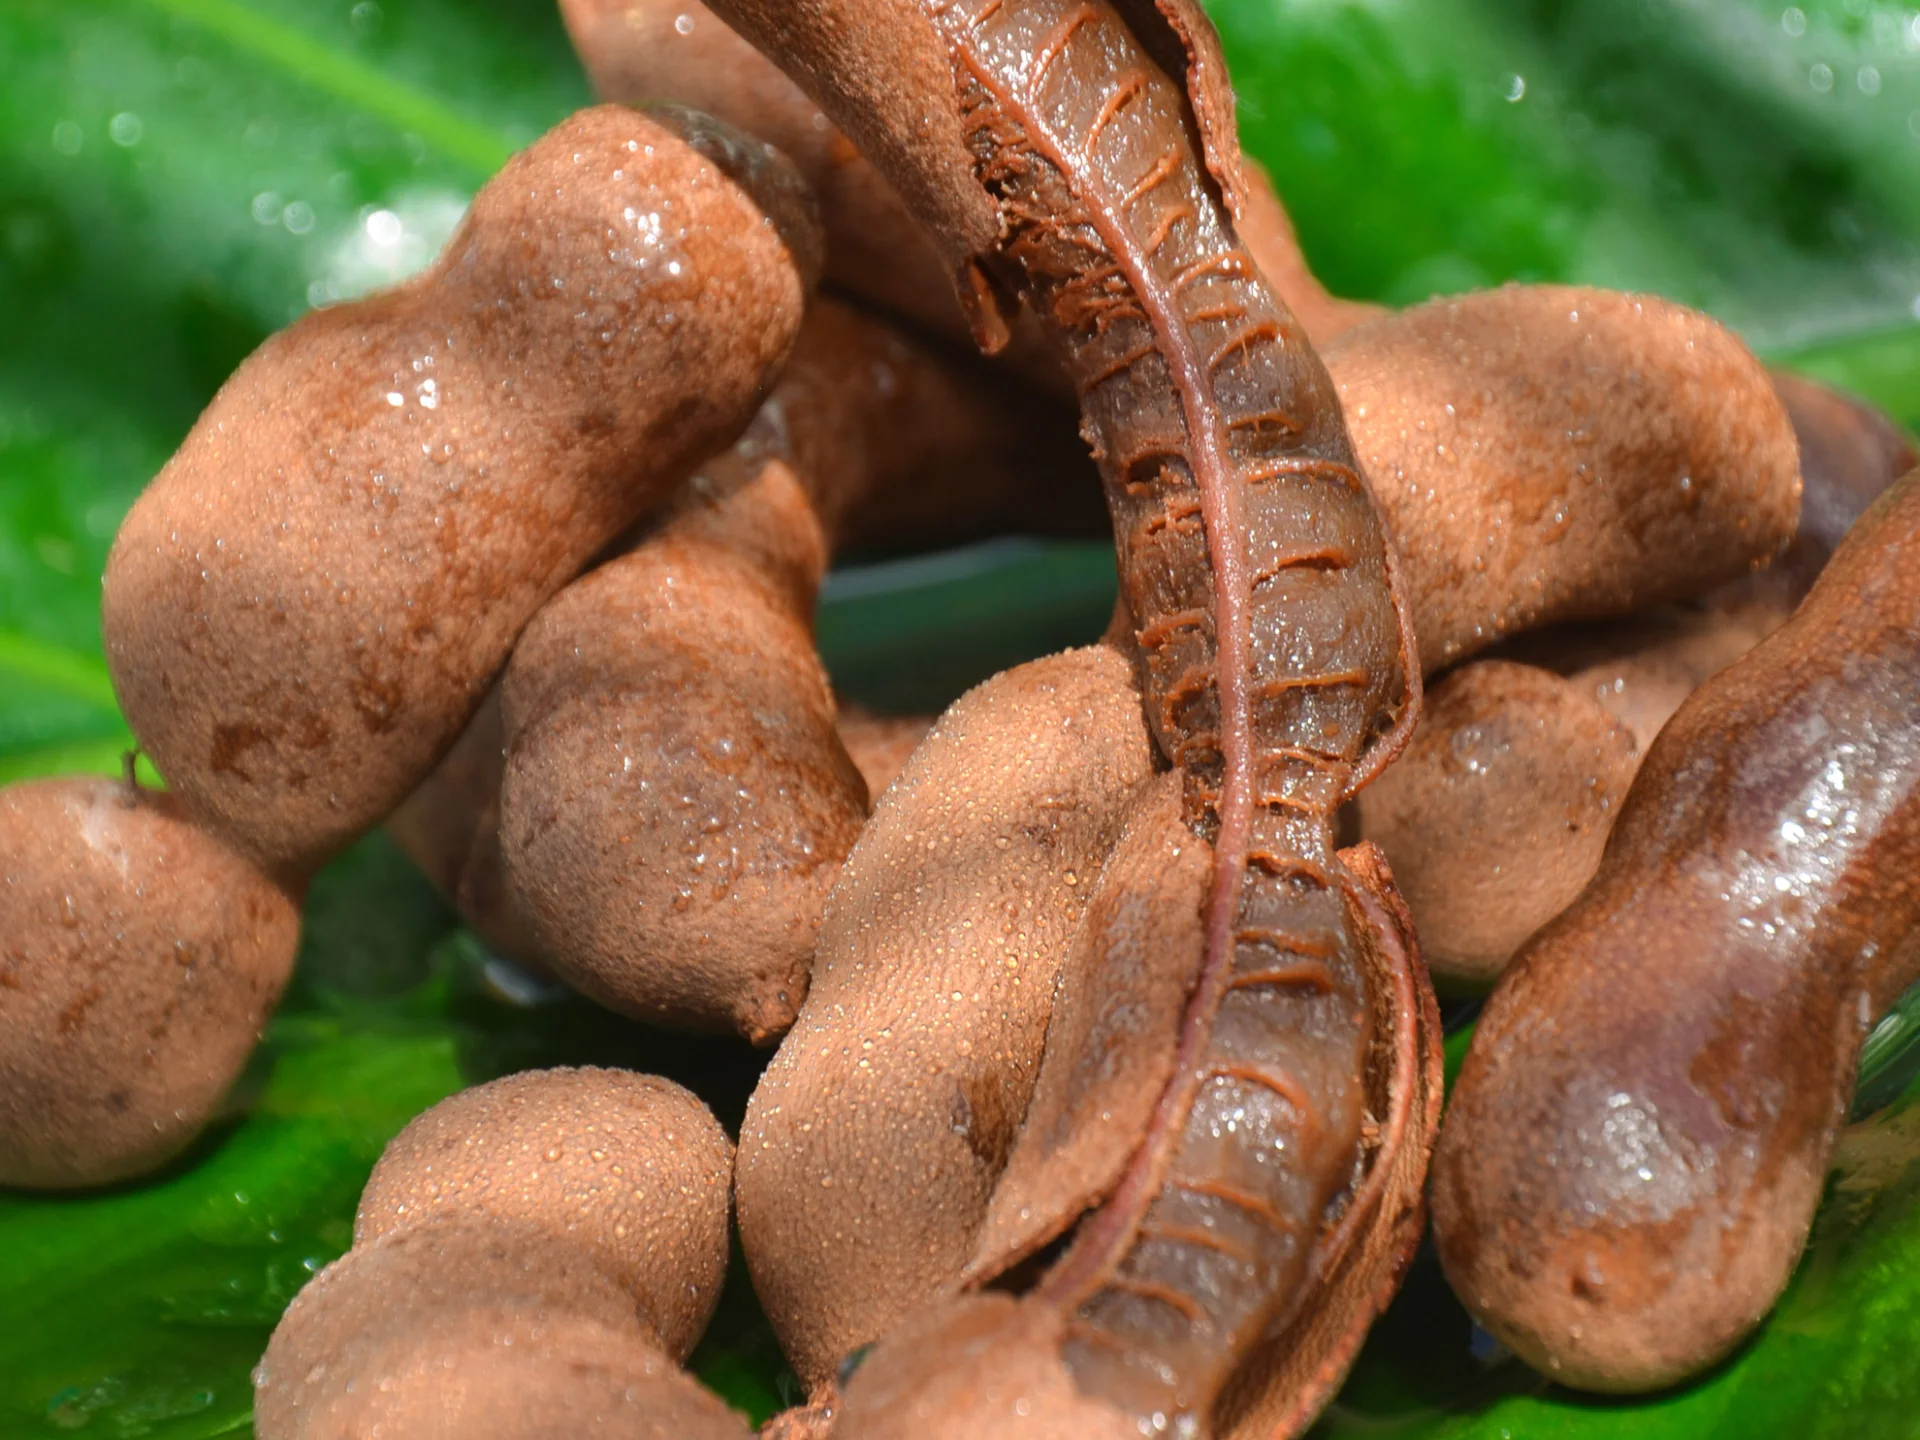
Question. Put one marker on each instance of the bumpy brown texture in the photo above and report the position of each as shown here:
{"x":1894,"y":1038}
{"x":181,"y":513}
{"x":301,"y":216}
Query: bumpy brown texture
{"x":1111,"y":1033}
{"x":1550,"y":453}
{"x":474,"y":1330}
{"x":1641,"y":669}
{"x":891,"y":443}
{"x":1496,"y":815}
{"x":980,"y":1366}
{"x":630,"y":1168}
{"x":676,"y":802}
{"x":139,"y":961}
{"x":1638,"y":1139}
{"x":873,"y":1142}
{"x":309,"y":602}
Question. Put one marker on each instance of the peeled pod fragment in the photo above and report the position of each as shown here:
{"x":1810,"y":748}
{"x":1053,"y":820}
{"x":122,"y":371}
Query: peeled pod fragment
{"x":1638,"y":1139}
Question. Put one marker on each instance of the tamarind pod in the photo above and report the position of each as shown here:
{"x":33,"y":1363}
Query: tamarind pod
{"x":1496,"y":814}
{"x":631,"y":1168}
{"x":1551,"y":453}
{"x":474,"y":1329}
{"x":1247,"y":540}
{"x":987,"y":1366}
{"x":886,"y":439}
{"x":450,"y":829}
{"x":139,"y":961}
{"x":307,"y":604}
{"x":1252,"y":557}
{"x":1637,"y":1141}
{"x":879,"y":745}
{"x":675,"y":802}
{"x":1640,"y":669}
{"x":1850,"y":453}
{"x":875,"y":1138}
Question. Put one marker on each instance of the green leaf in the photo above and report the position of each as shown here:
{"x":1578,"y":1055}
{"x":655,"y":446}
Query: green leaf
{"x":180,"y":177}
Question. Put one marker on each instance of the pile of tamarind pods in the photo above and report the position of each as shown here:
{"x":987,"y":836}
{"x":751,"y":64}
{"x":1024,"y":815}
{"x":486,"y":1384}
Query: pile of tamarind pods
{"x":1108,"y":1076}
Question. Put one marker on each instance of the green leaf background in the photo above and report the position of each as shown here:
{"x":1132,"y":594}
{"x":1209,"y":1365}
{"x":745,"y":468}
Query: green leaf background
{"x":180,"y":177}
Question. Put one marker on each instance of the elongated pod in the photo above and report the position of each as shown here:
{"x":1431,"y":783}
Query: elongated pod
{"x":309,"y":602}
{"x":532,"y":1258}
{"x":631,"y":1168}
{"x":139,"y":961}
{"x":1553,"y":453}
{"x":680,"y":802}
{"x":875,"y":1139}
{"x":1638,"y":1139}
{"x":474,"y":1329}
{"x":1277,"y":667}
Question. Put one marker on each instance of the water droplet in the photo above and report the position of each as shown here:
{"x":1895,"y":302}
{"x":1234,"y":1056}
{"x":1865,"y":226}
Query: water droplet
{"x":267,"y":207}
{"x":683,"y":24}
{"x":67,"y":137}
{"x":1516,"y":89}
{"x":297,"y":217}
{"x":1868,"y":80}
{"x":1793,"y":20}
{"x":125,"y":129}
{"x":1820,"y":77}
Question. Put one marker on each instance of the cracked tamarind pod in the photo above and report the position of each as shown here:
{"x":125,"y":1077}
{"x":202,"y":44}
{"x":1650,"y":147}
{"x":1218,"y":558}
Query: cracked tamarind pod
{"x":678,"y":49}
{"x":532,"y":1258}
{"x":1275,"y":654}
{"x":677,"y":800}
{"x":308,"y":603}
{"x":139,"y":961}
{"x":859,"y":1188}
{"x":1638,"y":1140}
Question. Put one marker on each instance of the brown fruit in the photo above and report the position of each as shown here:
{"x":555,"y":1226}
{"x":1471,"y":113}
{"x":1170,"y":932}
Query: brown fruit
{"x":1638,"y":1138}
{"x":676,"y":802}
{"x":874,"y":1141}
{"x":474,"y":1330}
{"x":630,"y":1168}
{"x":1495,"y":816}
{"x":139,"y":961}
{"x":307,"y":605}
{"x":1551,"y":453}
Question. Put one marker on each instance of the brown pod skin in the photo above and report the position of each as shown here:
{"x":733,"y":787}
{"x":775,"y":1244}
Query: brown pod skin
{"x":1553,"y":453}
{"x":874,"y":1141}
{"x":1496,"y":814}
{"x":450,"y":829}
{"x":1642,"y":668}
{"x":1638,"y":1139}
{"x":631,"y":1167}
{"x":307,"y":604}
{"x":139,"y":961}
{"x":470,"y":1329}
{"x":676,"y":802}
{"x":891,"y":443}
